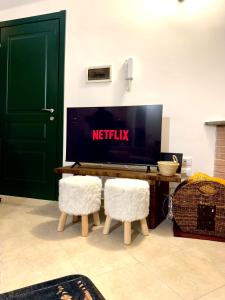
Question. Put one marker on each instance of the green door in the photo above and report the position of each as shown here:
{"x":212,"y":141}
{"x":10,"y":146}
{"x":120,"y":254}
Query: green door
{"x":29,"y":104}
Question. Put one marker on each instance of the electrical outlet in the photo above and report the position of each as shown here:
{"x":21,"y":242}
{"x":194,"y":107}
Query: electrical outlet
{"x":187,"y":161}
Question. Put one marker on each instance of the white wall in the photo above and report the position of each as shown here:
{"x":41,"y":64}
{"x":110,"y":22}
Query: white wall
{"x":179,"y":61}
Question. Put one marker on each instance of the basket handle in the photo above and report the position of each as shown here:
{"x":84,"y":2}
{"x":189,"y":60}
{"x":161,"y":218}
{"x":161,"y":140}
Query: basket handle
{"x":175,"y":160}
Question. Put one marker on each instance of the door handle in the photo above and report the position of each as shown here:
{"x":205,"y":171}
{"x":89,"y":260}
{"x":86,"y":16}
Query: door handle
{"x":51,"y":110}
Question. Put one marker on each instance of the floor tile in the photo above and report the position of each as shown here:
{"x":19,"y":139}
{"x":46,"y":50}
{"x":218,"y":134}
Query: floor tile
{"x":158,"y":266}
{"x":185,"y":272}
{"x":133,"y":282}
{"x":218,"y":294}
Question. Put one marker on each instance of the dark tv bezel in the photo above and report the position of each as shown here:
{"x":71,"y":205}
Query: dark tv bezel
{"x":109,"y":162}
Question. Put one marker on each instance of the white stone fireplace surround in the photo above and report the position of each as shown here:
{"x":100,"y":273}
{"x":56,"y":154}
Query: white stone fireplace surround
{"x":219,"y":162}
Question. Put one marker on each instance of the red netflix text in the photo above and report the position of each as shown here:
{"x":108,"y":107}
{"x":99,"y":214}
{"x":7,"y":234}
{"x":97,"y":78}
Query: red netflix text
{"x":110,"y":134}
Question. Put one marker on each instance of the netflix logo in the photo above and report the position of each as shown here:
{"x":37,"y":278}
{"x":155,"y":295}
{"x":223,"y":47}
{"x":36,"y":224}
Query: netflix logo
{"x":110,"y":134}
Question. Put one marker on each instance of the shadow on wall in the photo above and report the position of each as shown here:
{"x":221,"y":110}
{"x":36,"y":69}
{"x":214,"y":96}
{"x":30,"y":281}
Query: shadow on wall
{"x":121,"y":84}
{"x":165,"y":134}
{"x":14,"y":3}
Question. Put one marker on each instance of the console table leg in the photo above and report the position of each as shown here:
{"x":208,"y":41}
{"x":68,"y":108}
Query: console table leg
{"x":75,"y":219}
{"x":151,"y":219}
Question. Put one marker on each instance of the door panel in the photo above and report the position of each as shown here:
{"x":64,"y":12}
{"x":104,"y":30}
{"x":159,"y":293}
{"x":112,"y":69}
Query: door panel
{"x":30,"y":68}
{"x":17,"y":130}
{"x":24,"y":70}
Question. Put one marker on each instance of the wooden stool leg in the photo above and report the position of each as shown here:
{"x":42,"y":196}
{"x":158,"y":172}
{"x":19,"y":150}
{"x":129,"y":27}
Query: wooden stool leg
{"x":84,"y":225}
{"x":127,"y":233}
{"x":144,"y":227}
{"x":96,"y":218}
{"x":107,"y":225}
{"x":62,"y":221}
{"x":75,"y":219}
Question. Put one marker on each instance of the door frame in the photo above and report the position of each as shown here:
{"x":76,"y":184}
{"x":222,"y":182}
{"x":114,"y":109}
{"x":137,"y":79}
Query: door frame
{"x":61,"y":16}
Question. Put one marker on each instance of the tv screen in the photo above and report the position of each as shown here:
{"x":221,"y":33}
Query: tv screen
{"x":118,"y":134}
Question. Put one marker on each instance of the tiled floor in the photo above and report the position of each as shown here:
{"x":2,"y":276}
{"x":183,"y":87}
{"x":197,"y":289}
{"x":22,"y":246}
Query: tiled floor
{"x":156,"y":267}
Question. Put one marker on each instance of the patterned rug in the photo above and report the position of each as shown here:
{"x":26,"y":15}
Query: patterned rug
{"x":73,"y":287}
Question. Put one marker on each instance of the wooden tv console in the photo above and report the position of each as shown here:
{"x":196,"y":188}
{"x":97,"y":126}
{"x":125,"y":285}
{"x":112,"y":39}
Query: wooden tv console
{"x":159,"y":185}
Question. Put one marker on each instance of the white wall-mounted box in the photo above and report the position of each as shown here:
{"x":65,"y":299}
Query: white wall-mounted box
{"x":99,"y":74}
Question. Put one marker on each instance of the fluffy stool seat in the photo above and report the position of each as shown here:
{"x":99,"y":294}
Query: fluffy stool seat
{"x":126,"y":200}
{"x":79,"y":196}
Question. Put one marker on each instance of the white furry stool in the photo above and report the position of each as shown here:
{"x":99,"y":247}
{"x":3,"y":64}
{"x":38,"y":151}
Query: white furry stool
{"x":79,"y":196}
{"x":126,"y":200}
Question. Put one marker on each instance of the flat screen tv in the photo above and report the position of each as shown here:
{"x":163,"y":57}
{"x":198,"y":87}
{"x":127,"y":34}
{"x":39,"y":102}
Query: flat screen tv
{"x":118,"y":134}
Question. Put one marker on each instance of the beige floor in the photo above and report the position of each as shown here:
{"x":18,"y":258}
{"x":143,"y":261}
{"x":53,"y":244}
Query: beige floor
{"x":156,"y":267}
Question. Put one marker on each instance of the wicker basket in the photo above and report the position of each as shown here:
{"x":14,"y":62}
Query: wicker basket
{"x":168,"y":168}
{"x":199,"y":208}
